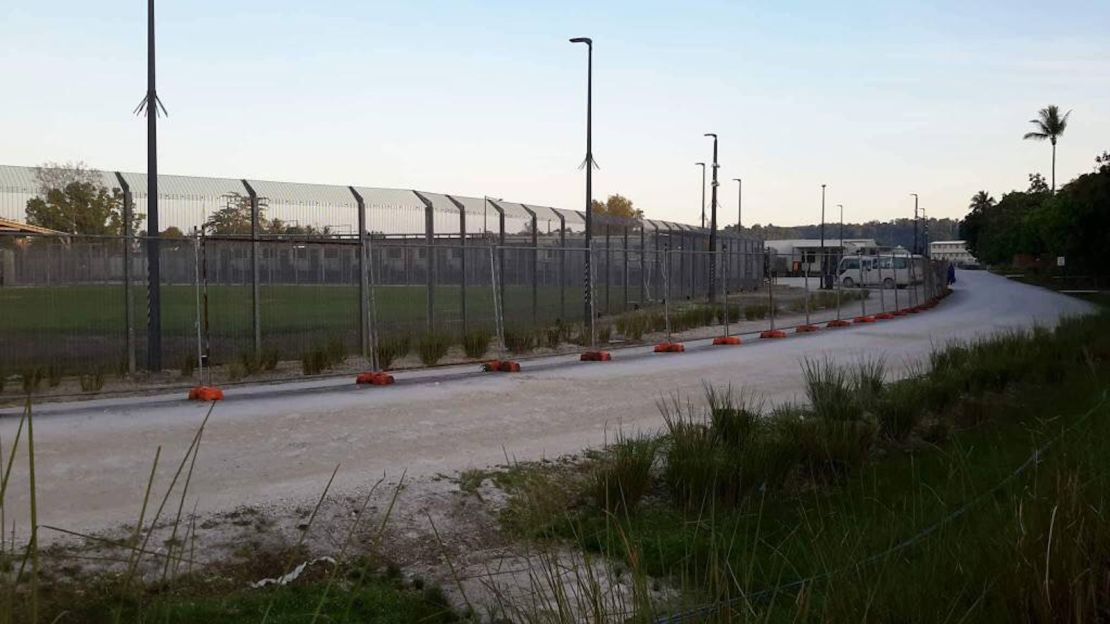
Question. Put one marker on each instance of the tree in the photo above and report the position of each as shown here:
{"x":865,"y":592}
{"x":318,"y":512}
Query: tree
{"x":1037,"y":183}
{"x":1050,"y":125}
{"x":73,"y":199}
{"x":617,"y":206}
{"x":234,"y":219}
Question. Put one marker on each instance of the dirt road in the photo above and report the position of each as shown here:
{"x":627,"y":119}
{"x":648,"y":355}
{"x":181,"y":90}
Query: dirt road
{"x":277,"y":445}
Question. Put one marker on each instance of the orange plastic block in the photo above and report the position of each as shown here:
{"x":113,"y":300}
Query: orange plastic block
{"x":726,"y":340}
{"x":206,"y":393}
{"x":596,"y":356}
{"x":838,"y":323}
{"x":670,"y":347}
{"x":864,"y":319}
{"x":805,"y":329}
{"x":502,"y":366}
{"x":885,"y":316}
{"x":374,"y":379}
{"x":773,"y":333}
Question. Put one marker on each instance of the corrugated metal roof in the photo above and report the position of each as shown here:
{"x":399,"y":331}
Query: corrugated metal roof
{"x":183,"y":187}
{"x":301,"y":194}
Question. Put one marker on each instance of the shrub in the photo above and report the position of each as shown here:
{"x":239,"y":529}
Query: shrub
{"x":249,"y":363}
{"x":392,"y":348}
{"x":519,"y":340}
{"x":336,"y":351}
{"x":189,"y":365}
{"x":31,"y":378}
{"x":554,"y":335}
{"x":756,"y":312}
{"x":604,"y":333}
{"x":270,"y":359}
{"x":830,"y":392}
{"x":831,"y":447}
{"x":53,"y":375}
{"x":868,"y":377}
{"x":899,"y":409}
{"x":732,"y":417}
{"x":623,"y":476}
{"x":236,"y":371}
{"x":476,"y":343}
{"x":315,"y":362}
{"x":92,"y":382}
{"x":433,"y":347}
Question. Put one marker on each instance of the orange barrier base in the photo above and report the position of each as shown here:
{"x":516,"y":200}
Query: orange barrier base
{"x":805,"y":329}
{"x":864,"y":319}
{"x":206,"y":393}
{"x":670,"y":347}
{"x":885,"y":316}
{"x":501,"y":366}
{"x":374,"y":379}
{"x":596,"y":356}
{"x":899,"y":313}
{"x":838,"y":323}
{"x":726,"y":340}
{"x":773,"y":333}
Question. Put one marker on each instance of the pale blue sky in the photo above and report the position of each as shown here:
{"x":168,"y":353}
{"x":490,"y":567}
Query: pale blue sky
{"x":875,"y":99}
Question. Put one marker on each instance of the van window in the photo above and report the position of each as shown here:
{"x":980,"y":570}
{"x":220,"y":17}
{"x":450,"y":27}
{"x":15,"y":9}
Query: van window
{"x":849,"y":264}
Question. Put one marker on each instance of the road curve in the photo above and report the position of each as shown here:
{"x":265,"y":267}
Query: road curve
{"x":280,"y":443}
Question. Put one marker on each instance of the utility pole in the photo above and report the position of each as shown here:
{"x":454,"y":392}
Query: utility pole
{"x":824,"y":258}
{"x":739,"y":203}
{"x":915,"y":247}
{"x":150,"y":106}
{"x":702,"y":193}
{"x":589,"y":164}
{"x":713,"y":225}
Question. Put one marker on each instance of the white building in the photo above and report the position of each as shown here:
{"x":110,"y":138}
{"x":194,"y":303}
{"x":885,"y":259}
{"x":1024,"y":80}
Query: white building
{"x":796,"y":256}
{"x":953,"y":251}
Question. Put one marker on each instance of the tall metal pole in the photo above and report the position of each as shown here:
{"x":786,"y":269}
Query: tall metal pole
{"x":824,"y":258}
{"x":588,"y":285}
{"x":702,"y":165}
{"x":739,"y":203}
{"x":150,"y":106}
{"x":915,"y":248}
{"x":713,"y":225}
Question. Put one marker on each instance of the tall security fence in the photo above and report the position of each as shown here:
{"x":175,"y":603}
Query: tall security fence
{"x":82,"y":303}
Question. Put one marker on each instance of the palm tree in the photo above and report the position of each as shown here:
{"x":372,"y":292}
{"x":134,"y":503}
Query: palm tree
{"x":1050,"y":125}
{"x":981,"y":201}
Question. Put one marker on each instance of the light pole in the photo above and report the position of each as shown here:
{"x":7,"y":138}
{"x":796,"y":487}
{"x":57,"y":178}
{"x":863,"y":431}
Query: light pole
{"x":713,"y":224}
{"x":739,"y":203}
{"x":702,"y":165}
{"x":150,"y":107}
{"x":588,"y":285}
{"x":841,"y":206}
{"x":824,"y":260}
{"x":915,"y":248}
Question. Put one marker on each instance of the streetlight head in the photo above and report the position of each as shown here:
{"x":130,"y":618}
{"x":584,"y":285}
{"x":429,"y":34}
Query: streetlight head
{"x":736,"y":179}
{"x":700,"y":163}
{"x":712,"y":134}
{"x":585,"y":40}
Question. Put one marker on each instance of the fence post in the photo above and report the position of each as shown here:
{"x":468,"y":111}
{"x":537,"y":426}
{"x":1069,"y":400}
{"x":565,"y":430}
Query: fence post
{"x":462,"y":259}
{"x":429,"y":242}
{"x":535,"y":263}
{"x":643,"y":272}
{"x":624,"y":262}
{"x":608,"y":267}
{"x":656,"y":259}
{"x":128,"y":293}
{"x":363,"y":280}
{"x":500,"y":249}
{"x":562,"y":265}
{"x":256,"y":301}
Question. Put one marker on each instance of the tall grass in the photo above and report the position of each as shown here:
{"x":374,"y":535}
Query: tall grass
{"x":476,"y":343}
{"x":392,"y":348}
{"x":623,"y":476}
{"x":432,"y":347}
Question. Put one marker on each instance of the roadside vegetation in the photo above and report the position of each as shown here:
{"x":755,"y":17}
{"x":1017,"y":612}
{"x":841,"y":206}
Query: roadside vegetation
{"x":975,"y":489}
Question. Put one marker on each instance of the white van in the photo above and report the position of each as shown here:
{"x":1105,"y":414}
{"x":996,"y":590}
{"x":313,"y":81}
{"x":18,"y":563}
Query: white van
{"x":885,"y":270}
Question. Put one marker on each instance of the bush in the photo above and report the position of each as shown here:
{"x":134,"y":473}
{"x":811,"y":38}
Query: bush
{"x":314,"y":362}
{"x":899,"y":409}
{"x":94,"y":381}
{"x":476,"y":343}
{"x":336,"y":351}
{"x":53,"y":375}
{"x":32,"y":378}
{"x":433,"y":347}
{"x":756,"y":312}
{"x":831,"y":447}
{"x":623,"y":476}
{"x":236,"y":371}
{"x":189,"y":365}
{"x":270,"y":359}
{"x":392,"y":348}
{"x":829,"y":390}
{"x":249,"y":364}
{"x":555,"y":335}
{"x":519,"y":340}
{"x":604,"y":333}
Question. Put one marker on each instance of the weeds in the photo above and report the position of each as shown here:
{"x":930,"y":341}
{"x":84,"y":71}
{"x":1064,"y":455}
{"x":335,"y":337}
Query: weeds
{"x":623,"y":476}
{"x":92,"y":382}
{"x":392,"y":348}
{"x":476,"y":343}
{"x":270,"y":358}
{"x":53,"y":375}
{"x":519,"y":340}
{"x":433,"y":347}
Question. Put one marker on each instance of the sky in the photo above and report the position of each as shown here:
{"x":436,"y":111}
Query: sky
{"x":875,"y":99}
